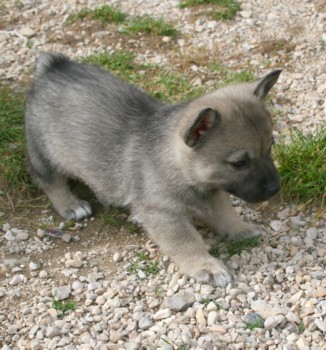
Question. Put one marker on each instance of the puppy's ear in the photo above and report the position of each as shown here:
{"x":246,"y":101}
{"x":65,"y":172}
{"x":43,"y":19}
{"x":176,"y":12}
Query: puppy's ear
{"x":205,"y":121}
{"x":266,"y":83}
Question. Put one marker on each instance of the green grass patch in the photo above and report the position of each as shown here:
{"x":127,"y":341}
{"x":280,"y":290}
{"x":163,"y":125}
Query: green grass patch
{"x":112,"y":217}
{"x":254,"y":325}
{"x":142,"y":261}
{"x":143,"y":24}
{"x":226,"y":9}
{"x":63,"y":305}
{"x":115,"y":217}
{"x":120,"y":62}
{"x":228,"y":76}
{"x":105,"y":14}
{"x":13,"y":170}
{"x":148,"y":25}
{"x":301,"y":328}
{"x":302,"y":166}
{"x":234,"y":247}
{"x":214,"y":250}
{"x":237,"y":247}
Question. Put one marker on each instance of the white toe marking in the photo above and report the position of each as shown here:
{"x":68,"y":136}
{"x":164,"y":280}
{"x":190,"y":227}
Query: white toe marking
{"x":80,"y":213}
{"x":88,"y":209}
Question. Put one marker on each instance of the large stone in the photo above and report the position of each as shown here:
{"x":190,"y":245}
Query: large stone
{"x":161,"y":314}
{"x":180,"y":301}
{"x":273,"y":321}
{"x":28,"y":32}
{"x":267,"y":310}
{"x":319,"y":292}
{"x":61,"y":293}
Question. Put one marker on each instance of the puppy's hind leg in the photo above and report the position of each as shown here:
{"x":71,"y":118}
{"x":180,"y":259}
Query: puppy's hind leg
{"x":55,"y":186}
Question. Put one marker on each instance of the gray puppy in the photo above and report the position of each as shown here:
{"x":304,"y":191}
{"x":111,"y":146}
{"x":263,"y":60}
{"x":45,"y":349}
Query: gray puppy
{"x":167,"y":164}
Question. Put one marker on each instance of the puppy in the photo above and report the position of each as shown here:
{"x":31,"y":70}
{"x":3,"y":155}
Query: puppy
{"x":166,"y":163}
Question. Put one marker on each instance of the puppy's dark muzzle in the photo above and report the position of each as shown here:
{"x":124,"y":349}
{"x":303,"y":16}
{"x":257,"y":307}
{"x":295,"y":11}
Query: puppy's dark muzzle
{"x":272,"y":188}
{"x":253,"y":191}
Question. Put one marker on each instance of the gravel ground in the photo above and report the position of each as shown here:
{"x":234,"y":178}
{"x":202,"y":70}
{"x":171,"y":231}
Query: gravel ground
{"x":280,"y":285}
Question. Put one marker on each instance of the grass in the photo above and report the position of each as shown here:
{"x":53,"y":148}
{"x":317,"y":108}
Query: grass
{"x":228,"y":76}
{"x":143,"y":24}
{"x":113,"y":217}
{"x":253,"y":325}
{"x":227,"y":9}
{"x":301,"y":328}
{"x":120,"y":62}
{"x":148,"y":25}
{"x":142,"y":262}
{"x":182,"y":346}
{"x":13,"y":173}
{"x":234,"y":248}
{"x":63,"y":306}
{"x":105,"y":14}
{"x":161,"y":83}
{"x":214,"y":250}
{"x":302,"y":166}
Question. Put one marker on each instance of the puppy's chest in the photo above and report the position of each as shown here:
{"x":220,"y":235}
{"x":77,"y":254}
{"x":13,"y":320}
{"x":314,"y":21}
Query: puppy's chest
{"x":198,"y":202}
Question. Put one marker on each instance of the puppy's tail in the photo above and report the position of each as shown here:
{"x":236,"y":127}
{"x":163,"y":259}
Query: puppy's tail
{"x":49,"y":60}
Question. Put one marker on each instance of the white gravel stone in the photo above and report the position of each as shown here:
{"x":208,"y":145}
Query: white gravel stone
{"x":212,"y":318}
{"x":17,"y":279}
{"x":180,"y":301}
{"x":273,"y":321}
{"x":141,"y":274}
{"x":321,"y":324}
{"x":52,"y":332}
{"x":93,"y":285}
{"x":61,"y":293}
{"x":117,"y":257}
{"x":267,"y":310}
{"x":161,"y":314}
{"x":33,"y":266}
{"x":77,"y":285}
{"x":26,"y":31}
{"x":145,"y":323}
{"x":22,"y":235}
{"x":276,"y":225}
{"x":9,"y":236}
{"x":43,"y":274}
{"x":40,"y":233}
{"x":312,"y":233}
{"x":6,"y":227}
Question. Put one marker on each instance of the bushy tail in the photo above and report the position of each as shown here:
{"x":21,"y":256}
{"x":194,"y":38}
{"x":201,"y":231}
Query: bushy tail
{"x":47,"y":61}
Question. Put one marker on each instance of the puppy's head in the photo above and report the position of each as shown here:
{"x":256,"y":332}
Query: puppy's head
{"x":226,"y":140}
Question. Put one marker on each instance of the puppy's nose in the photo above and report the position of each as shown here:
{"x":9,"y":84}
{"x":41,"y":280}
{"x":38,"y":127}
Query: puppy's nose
{"x":272,"y":188}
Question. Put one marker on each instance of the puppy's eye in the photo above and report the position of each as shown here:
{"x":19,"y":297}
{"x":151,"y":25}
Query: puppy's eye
{"x":240,"y":164}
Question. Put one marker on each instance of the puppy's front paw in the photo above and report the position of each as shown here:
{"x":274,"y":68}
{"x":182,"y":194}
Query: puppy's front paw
{"x":76,"y":211}
{"x":207,"y":270}
{"x":243,"y":231}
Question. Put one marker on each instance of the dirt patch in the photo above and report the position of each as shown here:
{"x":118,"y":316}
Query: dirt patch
{"x":320,"y":6}
{"x":273,"y":47}
{"x":108,"y":35}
